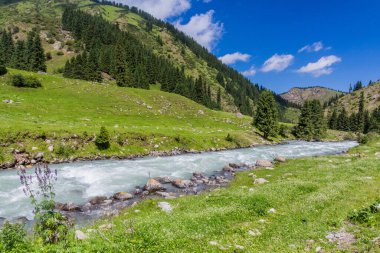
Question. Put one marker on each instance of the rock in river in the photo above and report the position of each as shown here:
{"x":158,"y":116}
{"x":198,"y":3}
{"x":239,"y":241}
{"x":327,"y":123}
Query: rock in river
{"x":122,"y":196}
{"x":153,"y":185}
{"x":98,"y":200}
{"x":179,"y":183}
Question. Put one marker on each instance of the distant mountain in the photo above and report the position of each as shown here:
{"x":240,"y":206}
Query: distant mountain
{"x":299,"y":95}
{"x":351,"y":101}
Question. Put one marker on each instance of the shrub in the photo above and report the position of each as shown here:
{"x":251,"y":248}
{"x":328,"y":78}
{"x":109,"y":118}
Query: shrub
{"x":64,"y":151}
{"x":3,"y":70}
{"x":21,"y":81}
{"x":284,"y":131}
{"x":13,"y":238}
{"x":363,"y":139}
{"x":60,"y":53}
{"x":51,"y":226}
{"x":1,"y":156}
{"x":229,"y":138}
{"x":49,"y":56}
{"x":103,"y":139}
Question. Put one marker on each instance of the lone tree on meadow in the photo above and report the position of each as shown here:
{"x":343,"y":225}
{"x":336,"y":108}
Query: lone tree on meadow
{"x":266,"y":117}
{"x":103,"y":139}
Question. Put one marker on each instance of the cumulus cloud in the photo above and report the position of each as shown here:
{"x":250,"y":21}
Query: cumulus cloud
{"x":235,"y":57}
{"x":277,"y":63}
{"x":315,"y":47}
{"x":320,"y":67}
{"x":250,"y":72}
{"x":203,"y":29}
{"x":162,"y":9}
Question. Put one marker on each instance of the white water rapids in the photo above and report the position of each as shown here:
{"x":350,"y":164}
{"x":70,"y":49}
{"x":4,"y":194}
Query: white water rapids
{"x":78,"y":182}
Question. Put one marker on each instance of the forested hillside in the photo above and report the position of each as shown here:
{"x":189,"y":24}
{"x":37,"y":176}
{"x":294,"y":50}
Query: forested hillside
{"x":129,"y":47}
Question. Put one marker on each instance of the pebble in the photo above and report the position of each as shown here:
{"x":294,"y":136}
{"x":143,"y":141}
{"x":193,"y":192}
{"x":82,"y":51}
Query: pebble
{"x":272,"y":210}
{"x":254,"y":232}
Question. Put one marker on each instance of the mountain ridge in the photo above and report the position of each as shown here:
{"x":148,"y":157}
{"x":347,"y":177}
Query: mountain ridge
{"x":299,"y":95}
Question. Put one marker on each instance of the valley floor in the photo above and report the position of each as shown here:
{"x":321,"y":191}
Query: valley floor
{"x":319,"y":204}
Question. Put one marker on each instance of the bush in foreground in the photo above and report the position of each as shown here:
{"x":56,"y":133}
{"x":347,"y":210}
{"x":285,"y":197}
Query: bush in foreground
{"x":27,"y":82}
{"x":13,"y":238}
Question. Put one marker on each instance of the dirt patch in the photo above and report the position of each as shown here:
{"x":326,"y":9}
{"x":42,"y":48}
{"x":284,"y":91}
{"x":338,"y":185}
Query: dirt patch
{"x":342,"y":238}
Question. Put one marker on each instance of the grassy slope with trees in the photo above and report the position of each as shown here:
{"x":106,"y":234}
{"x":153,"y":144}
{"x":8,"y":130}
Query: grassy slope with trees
{"x":70,"y":113}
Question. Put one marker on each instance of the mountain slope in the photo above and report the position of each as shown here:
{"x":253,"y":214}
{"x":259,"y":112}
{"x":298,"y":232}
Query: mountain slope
{"x":351,"y":101}
{"x":236,"y":92}
{"x":300,"y":95}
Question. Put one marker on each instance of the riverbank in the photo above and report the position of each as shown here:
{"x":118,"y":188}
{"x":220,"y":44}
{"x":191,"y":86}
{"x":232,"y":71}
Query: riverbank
{"x":303,"y":205}
{"x":24,"y":150}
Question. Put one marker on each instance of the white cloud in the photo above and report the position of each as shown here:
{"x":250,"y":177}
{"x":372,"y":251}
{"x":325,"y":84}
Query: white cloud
{"x":232,"y":58}
{"x":277,"y":63}
{"x":250,"y":72}
{"x":162,"y":9}
{"x":203,"y":29}
{"x":315,"y":47}
{"x":321,"y":67}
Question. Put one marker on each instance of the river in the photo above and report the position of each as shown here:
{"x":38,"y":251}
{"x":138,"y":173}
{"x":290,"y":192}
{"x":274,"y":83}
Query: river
{"x":78,"y":182}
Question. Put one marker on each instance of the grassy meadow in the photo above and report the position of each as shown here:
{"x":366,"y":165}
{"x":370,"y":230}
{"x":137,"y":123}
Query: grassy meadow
{"x":70,"y":113}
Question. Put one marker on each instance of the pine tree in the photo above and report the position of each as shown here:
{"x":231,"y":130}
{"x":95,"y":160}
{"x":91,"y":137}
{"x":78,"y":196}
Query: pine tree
{"x":318,"y":120}
{"x":38,"y":55}
{"x":304,"y":129}
{"x":19,"y":58}
{"x":219,"y":97}
{"x":360,"y":115}
{"x":333,"y":121}
{"x":343,"y":121}
{"x":266,"y":117}
{"x":103,"y":139}
{"x":120,"y":65}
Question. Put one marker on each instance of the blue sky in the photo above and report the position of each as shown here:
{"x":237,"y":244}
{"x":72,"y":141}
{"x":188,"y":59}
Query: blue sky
{"x":281,"y":44}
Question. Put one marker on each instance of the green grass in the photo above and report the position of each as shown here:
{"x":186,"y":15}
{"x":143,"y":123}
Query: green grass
{"x":312,"y":197}
{"x":72,"y":112}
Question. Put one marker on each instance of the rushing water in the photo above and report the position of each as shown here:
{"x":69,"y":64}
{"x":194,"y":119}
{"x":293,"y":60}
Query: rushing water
{"x":78,"y":182}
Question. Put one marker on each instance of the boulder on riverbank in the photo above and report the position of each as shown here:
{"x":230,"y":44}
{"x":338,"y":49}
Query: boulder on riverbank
{"x":264,"y":164}
{"x":280,"y":159}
